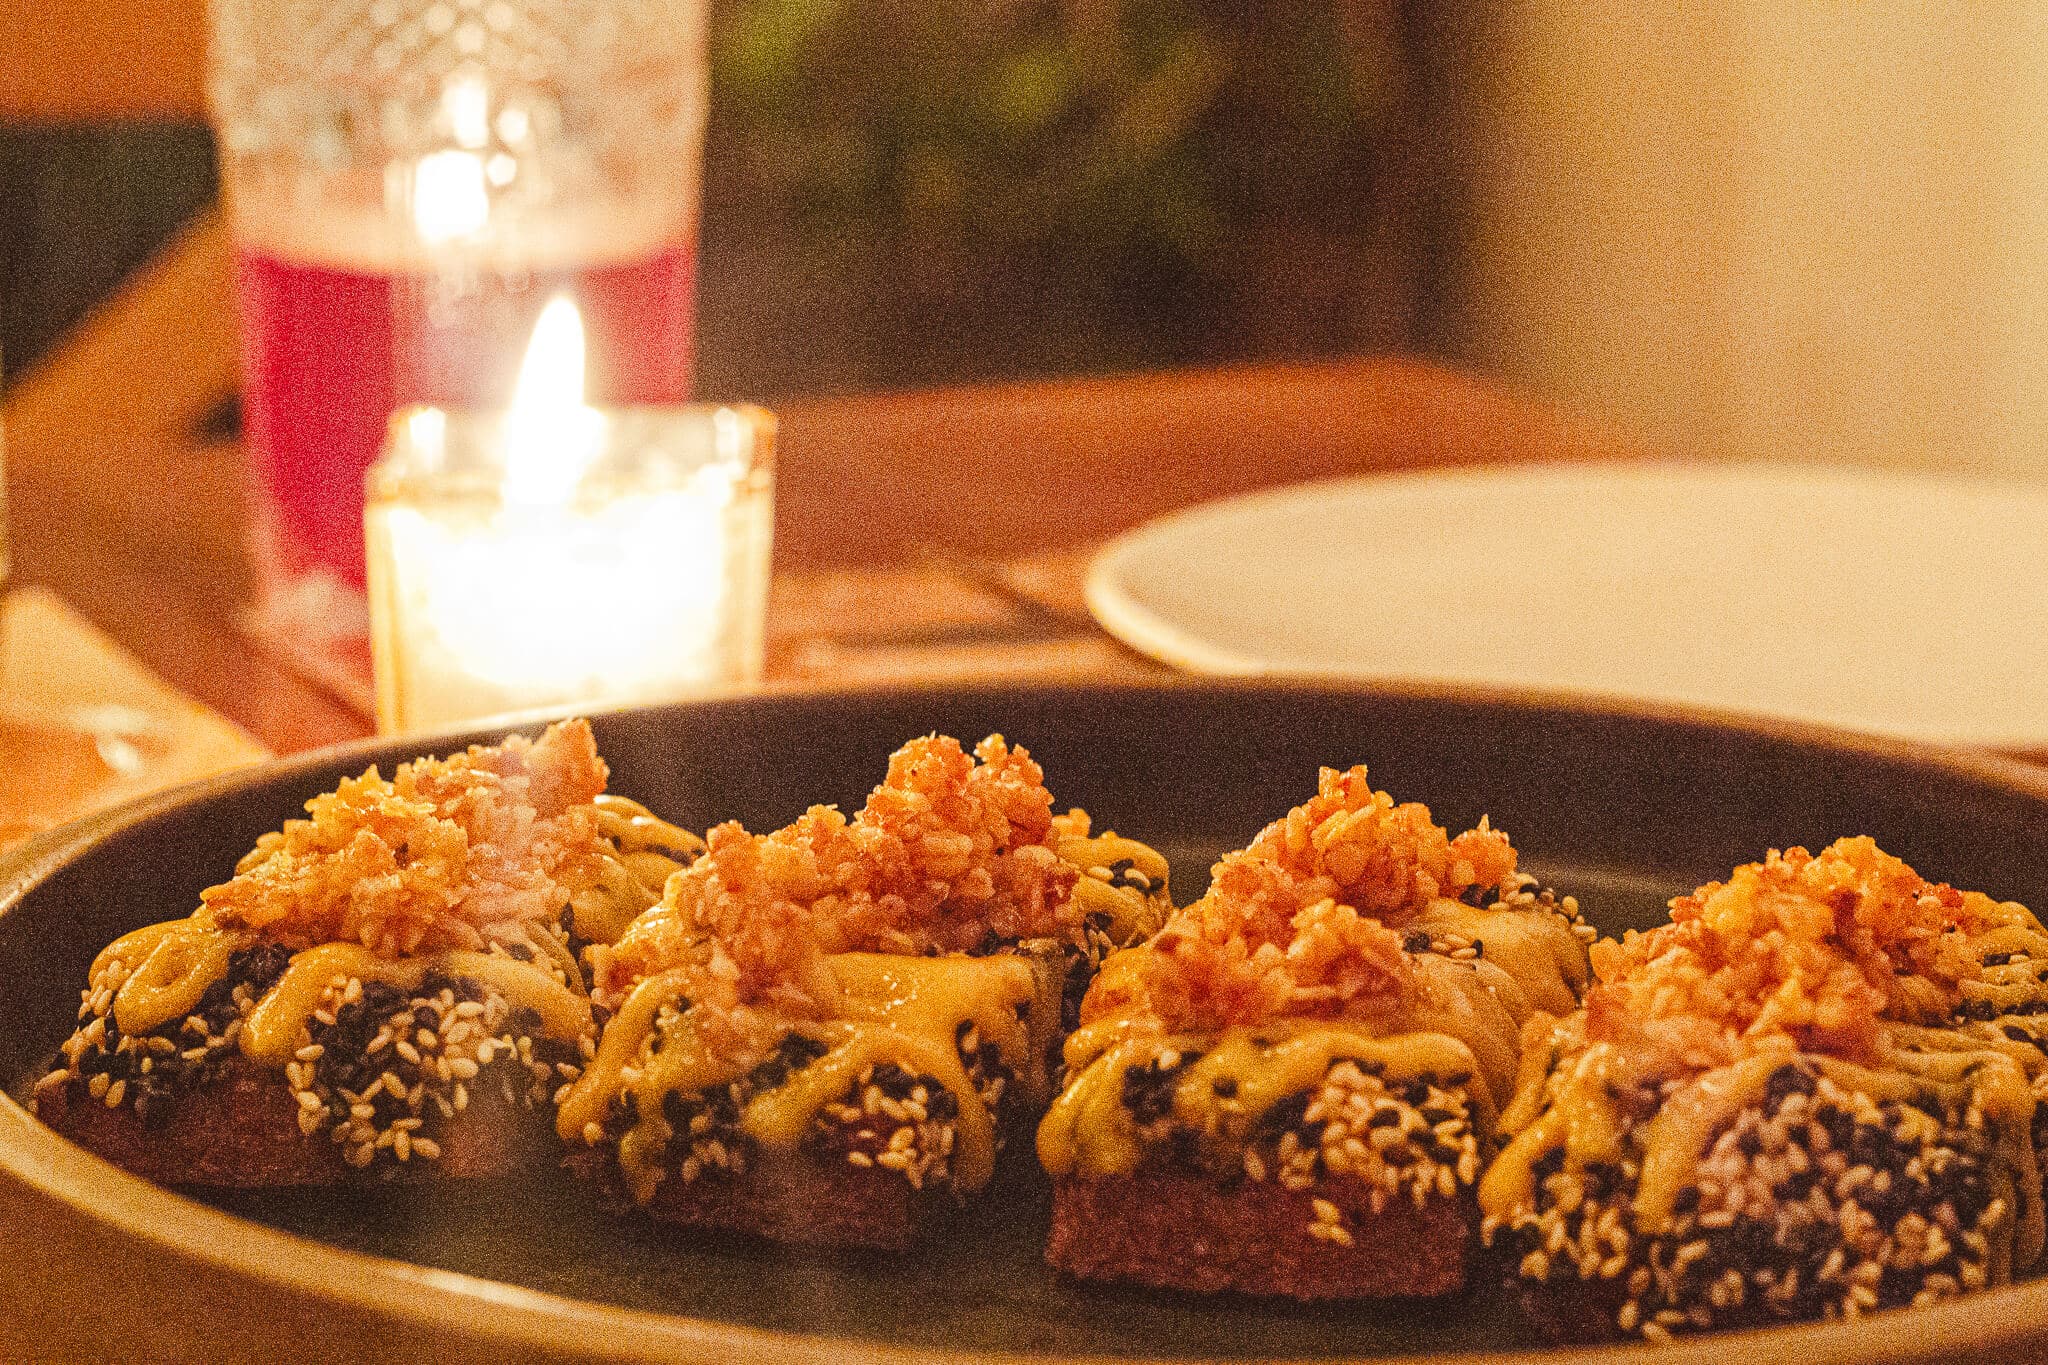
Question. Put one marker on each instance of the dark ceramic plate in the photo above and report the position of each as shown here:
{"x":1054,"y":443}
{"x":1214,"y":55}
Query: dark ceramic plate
{"x":1621,"y":805}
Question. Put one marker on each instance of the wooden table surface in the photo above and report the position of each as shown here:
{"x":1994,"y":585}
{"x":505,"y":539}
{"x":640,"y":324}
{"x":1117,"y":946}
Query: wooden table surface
{"x":931,"y":535}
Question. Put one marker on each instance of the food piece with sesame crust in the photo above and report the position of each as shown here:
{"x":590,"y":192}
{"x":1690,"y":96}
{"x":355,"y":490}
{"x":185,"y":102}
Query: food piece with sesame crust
{"x":1303,"y":1067}
{"x":826,"y":1034}
{"x":1811,"y":1095}
{"x":383,"y":989}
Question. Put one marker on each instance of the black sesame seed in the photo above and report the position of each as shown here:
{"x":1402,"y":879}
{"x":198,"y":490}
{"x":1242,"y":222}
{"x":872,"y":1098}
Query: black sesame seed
{"x":1148,"y":1090}
{"x":892,"y":1080}
{"x":1837,"y":1124}
{"x":799,"y":1050}
{"x":381,"y":998}
{"x":1788,"y":1080}
{"x":1896,"y":1287}
{"x":1868,"y":1146}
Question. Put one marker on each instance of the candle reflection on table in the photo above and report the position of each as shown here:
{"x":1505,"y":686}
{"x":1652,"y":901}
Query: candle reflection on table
{"x":556,"y":553}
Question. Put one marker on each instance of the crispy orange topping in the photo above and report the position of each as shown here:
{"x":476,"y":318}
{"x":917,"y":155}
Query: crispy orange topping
{"x":1815,"y":948}
{"x":947,"y":855}
{"x":450,"y":853}
{"x":1299,"y":922}
{"x":1356,"y":846}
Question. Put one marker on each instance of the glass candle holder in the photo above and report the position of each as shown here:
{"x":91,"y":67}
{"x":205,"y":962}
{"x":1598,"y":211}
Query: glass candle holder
{"x":408,"y":181}
{"x":642,"y":576}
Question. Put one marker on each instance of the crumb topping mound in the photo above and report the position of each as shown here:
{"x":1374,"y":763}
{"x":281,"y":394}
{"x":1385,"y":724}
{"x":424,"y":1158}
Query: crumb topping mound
{"x":948,"y":854}
{"x":1817,"y":948}
{"x":1305,"y":921}
{"x":1354,"y":845}
{"x":449,"y":853}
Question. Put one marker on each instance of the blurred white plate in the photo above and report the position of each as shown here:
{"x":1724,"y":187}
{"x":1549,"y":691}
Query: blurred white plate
{"x":1909,"y":604}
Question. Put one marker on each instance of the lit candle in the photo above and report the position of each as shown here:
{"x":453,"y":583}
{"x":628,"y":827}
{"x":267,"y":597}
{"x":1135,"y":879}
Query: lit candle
{"x":558,"y":554}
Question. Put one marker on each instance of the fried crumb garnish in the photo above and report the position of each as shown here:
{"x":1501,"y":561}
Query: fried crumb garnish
{"x":948,"y":855}
{"x":449,"y":853}
{"x":1815,"y":948}
{"x":1304,"y":921}
{"x":1356,"y":846}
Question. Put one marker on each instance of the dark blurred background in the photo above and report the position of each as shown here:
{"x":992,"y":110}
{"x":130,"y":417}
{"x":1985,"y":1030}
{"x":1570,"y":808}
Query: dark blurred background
{"x":905,"y":192}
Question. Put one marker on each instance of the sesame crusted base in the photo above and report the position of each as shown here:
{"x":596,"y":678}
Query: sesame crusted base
{"x":1405,"y":1140}
{"x":1818,"y":1203}
{"x":239,"y":1129}
{"x":1184,"y":1230}
{"x":1357,"y":1188}
{"x":874,"y":1169}
{"x":383,"y":1081}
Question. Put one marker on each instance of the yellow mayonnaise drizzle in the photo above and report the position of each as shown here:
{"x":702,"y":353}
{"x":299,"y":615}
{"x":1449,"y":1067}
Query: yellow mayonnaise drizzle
{"x":1089,"y":1131}
{"x":179,"y":959}
{"x":1462,"y":1029}
{"x":606,"y":898}
{"x":889,"y":1008}
{"x":274,"y":1027}
{"x":1132,"y":914}
{"x":1544,"y":962}
{"x":174,"y":963}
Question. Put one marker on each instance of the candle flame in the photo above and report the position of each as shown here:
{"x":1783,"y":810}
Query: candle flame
{"x":551,"y":436}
